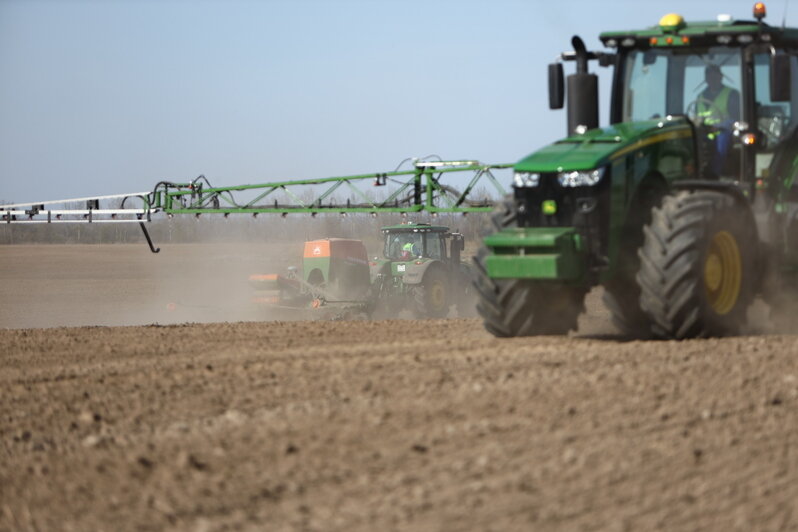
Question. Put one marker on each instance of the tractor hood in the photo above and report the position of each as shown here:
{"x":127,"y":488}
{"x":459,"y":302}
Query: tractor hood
{"x":598,"y":147}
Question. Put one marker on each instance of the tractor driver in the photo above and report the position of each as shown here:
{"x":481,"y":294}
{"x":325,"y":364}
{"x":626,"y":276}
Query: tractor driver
{"x":718,"y":106}
{"x":410,"y":249}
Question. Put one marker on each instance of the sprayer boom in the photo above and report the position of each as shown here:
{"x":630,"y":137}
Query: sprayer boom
{"x":420,"y":189}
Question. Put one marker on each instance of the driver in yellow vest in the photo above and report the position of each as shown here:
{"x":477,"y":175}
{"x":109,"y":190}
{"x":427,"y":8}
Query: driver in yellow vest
{"x":409,"y":251}
{"x":718,"y":106}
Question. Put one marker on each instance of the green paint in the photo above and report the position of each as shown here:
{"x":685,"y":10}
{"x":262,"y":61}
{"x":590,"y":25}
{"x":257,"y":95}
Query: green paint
{"x":315,"y":263}
{"x":417,"y":190}
{"x":535,"y":253}
{"x":414,"y":227}
{"x":544,"y":266}
{"x":693,"y":30}
{"x":601,"y":146}
{"x":535,"y":237}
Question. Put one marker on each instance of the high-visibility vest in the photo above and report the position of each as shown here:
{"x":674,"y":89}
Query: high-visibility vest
{"x":408,"y":247}
{"x":714,"y":111}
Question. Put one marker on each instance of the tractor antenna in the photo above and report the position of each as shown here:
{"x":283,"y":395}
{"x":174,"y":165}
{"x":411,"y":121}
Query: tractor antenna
{"x":784,"y":19}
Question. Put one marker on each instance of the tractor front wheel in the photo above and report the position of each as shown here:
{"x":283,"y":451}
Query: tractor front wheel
{"x":697,"y":266}
{"x":520,"y":307}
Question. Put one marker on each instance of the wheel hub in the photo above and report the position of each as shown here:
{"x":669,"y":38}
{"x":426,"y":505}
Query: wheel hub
{"x":437,"y":294}
{"x":713,"y":272}
{"x":723,"y":272}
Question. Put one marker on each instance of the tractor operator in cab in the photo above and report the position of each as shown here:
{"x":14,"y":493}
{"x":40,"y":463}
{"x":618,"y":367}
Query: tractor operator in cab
{"x":409,"y":250}
{"x":718,"y":107}
{"x":404,"y":247}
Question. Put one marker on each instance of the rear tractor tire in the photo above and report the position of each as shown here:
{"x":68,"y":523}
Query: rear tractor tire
{"x":432,"y":295}
{"x":697,"y":266}
{"x":465,"y":299}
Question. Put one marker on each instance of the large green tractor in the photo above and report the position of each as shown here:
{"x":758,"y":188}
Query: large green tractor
{"x":684,"y":208}
{"x":418,"y":271}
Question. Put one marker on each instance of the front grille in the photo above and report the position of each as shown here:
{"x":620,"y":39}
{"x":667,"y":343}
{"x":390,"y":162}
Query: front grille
{"x":585,"y":208}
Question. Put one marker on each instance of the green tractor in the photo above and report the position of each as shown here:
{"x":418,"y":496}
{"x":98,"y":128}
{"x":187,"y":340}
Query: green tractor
{"x":684,"y":208}
{"x":419,"y":272}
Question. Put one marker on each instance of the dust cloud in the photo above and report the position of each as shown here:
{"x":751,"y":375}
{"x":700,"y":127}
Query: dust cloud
{"x":200,"y":275}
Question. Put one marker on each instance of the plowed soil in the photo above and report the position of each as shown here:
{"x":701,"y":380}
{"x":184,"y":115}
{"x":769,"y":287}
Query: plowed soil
{"x":364,"y":425}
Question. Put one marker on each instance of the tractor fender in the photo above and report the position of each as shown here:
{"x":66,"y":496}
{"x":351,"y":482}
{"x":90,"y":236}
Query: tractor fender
{"x":653,"y":187}
{"x":465,"y":273}
{"x":415,"y":273}
{"x":731,"y":189}
{"x":647,"y":194}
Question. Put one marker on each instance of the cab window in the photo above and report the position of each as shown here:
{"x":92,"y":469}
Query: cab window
{"x":774,"y":119}
{"x":403,"y":245}
{"x":661,"y":82}
{"x":435,"y":246}
{"x":644,"y":97}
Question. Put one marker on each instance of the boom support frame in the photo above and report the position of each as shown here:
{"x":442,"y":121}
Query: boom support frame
{"x":420,"y":189}
{"x":416,"y":190}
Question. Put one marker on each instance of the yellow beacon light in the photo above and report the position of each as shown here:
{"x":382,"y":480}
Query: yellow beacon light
{"x":671,"y":22}
{"x":759,"y":11}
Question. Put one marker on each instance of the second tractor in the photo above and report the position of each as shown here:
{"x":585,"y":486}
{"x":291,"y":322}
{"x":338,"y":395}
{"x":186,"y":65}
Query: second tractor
{"x":420,"y":271}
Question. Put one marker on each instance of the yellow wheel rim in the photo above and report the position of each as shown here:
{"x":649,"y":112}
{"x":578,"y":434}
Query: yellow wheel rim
{"x":437,"y":295}
{"x":723,"y":273}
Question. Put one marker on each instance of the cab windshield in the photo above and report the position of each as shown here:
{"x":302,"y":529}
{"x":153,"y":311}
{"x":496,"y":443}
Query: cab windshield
{"x":662,"y":82}
{"x":706,"y":86}
{"x":407,"y":246}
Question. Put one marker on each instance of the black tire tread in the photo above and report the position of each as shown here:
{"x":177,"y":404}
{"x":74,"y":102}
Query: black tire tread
{"x":421,"y":297}
{"x":670,"y":274}
{"x":519,"y":307}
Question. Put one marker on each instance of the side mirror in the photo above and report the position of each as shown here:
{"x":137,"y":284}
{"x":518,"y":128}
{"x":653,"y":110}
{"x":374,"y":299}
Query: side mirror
{"x":556,"y":86}
{"x":458,"y":241}
{"x":780,"y":78}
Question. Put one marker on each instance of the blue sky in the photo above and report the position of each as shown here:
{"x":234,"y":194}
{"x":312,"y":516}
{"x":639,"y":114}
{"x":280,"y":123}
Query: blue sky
{"x":103,"y":97}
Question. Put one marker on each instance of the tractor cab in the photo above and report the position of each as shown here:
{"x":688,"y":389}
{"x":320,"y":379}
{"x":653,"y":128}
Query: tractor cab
{"x":726,"y":86}
{"x":409,"y":241}
{"x":736,"y":84}
{"x":709,"y":105}
{"x":733,"y":81}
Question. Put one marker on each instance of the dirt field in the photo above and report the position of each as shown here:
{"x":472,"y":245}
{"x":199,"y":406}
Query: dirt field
{"x":355,"y":425}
